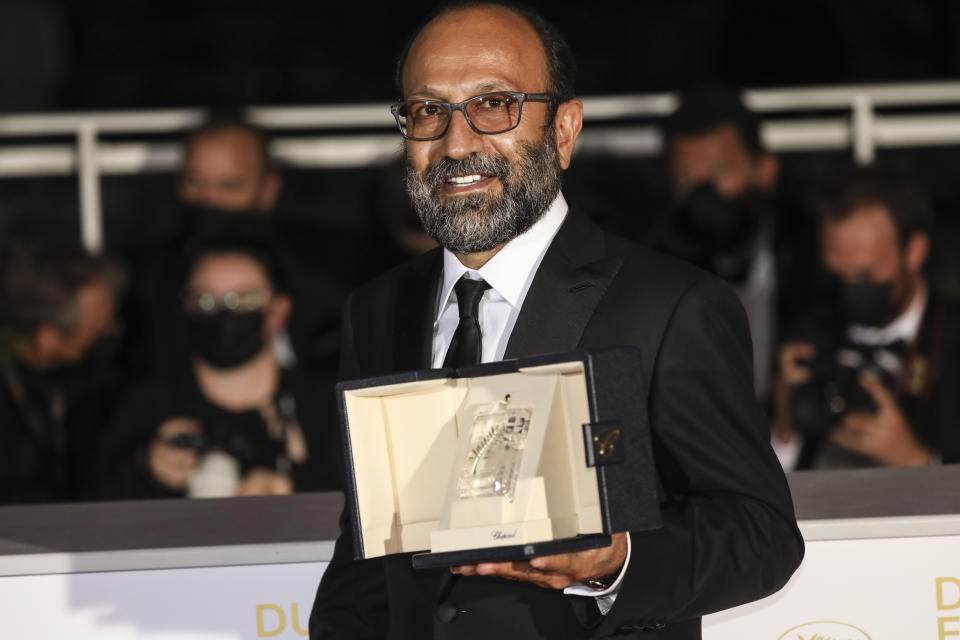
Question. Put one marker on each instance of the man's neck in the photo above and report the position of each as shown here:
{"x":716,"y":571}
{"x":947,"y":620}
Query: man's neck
{"x":476,"y":260}
{"x":250,"y":386}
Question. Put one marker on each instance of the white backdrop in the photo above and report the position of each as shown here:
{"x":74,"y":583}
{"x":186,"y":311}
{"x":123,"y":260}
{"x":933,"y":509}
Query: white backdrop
{"x":873,"y":589}
{"x":218,"y":603}
{"x":879,"y":589}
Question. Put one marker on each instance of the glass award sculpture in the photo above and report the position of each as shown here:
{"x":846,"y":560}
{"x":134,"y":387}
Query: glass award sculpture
{"x":497,"y":440}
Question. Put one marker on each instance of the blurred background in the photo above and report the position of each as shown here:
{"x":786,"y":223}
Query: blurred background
{"x":98,"y":98}
{"x":136,"y":55}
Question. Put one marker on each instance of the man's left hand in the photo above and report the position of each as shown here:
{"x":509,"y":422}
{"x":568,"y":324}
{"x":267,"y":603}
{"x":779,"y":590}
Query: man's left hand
{"x":559,"y":571}
{"x":885,"y":435}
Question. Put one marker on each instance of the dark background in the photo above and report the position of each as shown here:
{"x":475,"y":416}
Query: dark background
{"x":109,"y":54}
{"x":57,"y":55}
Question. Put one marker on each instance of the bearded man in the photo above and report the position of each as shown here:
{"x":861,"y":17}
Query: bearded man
{"x":538,"y":278}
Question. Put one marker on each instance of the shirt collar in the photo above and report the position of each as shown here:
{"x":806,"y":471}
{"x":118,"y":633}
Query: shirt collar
{"x":905,"y":327}
{"x":509,"y":269}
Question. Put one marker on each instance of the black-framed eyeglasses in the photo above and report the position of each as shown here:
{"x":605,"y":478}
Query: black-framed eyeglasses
{"x":487,"y":113}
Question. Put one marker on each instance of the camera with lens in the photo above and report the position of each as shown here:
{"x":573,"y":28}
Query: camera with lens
{"x":226,"y":448}
{"x":834,"y":388}
{"x":241,"y":435}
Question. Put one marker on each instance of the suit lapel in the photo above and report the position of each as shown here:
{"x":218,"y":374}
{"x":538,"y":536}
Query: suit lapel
{"x":572,"y":278}
{"x":416,"y":308}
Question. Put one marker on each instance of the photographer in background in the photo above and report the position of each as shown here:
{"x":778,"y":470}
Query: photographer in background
{"x":58,"y":327}
{"x":876,"y":382}
{"x":235,"y":422}
{"x":730,"y":218}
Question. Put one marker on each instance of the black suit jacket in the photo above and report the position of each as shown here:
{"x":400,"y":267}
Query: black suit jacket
{"x":729,"y":534}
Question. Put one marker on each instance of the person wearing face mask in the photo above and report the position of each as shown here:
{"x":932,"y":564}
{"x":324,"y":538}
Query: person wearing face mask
{"x":228,"y":172}
{"x":57,"y":379}
{"x":884,"y":322}
{"x":728,"y":217}
{"x":236,"y":422}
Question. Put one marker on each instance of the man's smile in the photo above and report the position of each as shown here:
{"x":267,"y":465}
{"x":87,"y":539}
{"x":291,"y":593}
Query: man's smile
{"x":462,"y":183}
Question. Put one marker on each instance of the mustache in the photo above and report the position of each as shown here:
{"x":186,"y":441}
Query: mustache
{"x":446,"y":168}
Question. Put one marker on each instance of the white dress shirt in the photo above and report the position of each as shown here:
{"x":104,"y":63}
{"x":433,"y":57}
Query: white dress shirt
{"x":509,"y":273}
{"x":758,"y":294}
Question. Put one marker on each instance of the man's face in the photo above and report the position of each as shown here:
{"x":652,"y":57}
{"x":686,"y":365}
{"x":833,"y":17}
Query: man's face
{"x":224,"y":170}
{"x":864,"y":248}
{"x":96,"y":319}
{"x":718,"y":158}
{"x":508,"y":180}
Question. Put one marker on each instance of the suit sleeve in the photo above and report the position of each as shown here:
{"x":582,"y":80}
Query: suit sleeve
{"x":729,"y":533}
{"x":351,"y":601}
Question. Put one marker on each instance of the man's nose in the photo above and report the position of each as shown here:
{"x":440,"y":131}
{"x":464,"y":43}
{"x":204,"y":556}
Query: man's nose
{"x":461,"y":140}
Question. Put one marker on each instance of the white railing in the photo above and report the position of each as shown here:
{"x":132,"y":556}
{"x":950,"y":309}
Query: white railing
{"x":847,"y":118}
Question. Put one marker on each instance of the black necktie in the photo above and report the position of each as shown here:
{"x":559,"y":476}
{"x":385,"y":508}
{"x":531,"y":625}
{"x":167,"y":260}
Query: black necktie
{"x":465,"y":346}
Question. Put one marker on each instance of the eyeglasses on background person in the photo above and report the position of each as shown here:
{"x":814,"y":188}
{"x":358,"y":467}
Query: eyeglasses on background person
{"x":238,"y":301}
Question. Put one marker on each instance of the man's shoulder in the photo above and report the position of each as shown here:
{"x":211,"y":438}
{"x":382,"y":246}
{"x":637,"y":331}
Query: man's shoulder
{"x":942,"y":315}
{"x":416,"y":270}
{"x":659,"y":275}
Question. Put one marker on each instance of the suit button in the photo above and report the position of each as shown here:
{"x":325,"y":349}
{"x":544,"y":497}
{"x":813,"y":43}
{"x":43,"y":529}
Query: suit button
{"x":446,"y":612}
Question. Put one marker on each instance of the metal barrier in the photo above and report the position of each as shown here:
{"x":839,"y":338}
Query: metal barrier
{"x":794,"y":121}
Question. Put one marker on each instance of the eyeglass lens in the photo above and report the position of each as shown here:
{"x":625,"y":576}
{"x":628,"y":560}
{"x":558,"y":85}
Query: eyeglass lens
{"x":490,"y":113}
{"x":207,"y":302}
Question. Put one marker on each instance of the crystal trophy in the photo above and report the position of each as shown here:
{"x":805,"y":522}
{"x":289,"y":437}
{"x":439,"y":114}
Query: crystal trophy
{"x":497,"y":440}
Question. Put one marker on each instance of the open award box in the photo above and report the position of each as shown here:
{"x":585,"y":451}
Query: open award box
{"x":499,"y":461}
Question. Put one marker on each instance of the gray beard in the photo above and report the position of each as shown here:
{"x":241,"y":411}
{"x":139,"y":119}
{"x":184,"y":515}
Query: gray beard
{"x":481,"y":222}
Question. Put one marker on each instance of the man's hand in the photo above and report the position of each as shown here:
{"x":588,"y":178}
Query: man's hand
{"x":792,"y":374}
{"x":171,"y":466}
{"x":559,"y":571}
{"x":885,"y":435}
{"x":265,"y":482}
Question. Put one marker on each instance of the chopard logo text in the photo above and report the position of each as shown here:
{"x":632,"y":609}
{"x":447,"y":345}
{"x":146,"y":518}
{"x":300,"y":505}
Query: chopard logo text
{"x":503,"y":535}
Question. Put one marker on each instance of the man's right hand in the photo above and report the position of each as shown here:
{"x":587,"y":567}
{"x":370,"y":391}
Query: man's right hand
{"x":793,"y":373}
{"x":171,"y":466}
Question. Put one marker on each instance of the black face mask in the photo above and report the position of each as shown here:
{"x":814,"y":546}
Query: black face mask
{"x":198,"y":221}
{"x":718,"y":224}
{"x":868,"y":303}
{"x":225,"y":339}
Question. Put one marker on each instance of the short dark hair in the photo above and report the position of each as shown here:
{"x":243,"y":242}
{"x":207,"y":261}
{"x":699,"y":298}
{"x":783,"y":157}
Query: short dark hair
{"x":561,"y":65}
{"x":249,"y":235}
{"x":907,"y":202}
{"x":706,"y":109}
{"x":41,"y":277}
{"x":225,"y":121}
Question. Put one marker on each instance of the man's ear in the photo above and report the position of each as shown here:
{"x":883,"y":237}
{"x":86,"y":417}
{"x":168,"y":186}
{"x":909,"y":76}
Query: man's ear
{"x":767,"y":171}
{"x":278,"y":313}
{"x":45,"y":342}
{"x":567,"y":125}
{"x":916,"y":251}
{"x":270,"y":192}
